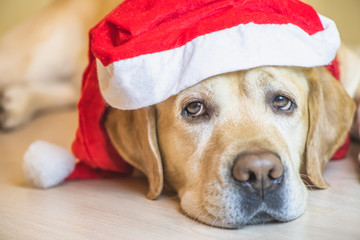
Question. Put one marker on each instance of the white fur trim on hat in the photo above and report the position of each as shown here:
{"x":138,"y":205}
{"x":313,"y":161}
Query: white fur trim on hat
{"x":152,"y":78}
{"x":46,"y":165}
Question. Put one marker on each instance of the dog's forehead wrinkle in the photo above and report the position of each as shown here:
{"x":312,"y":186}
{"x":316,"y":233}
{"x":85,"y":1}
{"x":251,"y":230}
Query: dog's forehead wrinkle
{"x":277,"y":78}
{"x":204,"y":88}
{"x":257,"y":77}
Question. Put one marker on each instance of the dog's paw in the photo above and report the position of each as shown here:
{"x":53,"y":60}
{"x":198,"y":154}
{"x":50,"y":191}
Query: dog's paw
{"x":15,"y":106}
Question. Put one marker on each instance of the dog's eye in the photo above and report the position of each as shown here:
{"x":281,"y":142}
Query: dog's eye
{"x":283,"y":103}
{"x":195,"y":109}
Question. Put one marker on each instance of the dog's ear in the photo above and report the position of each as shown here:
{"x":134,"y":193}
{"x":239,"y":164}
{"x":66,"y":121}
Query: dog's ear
{"x":331,"y":113}
{"x":133,"y":134}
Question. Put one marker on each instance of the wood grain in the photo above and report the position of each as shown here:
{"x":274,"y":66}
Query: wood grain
{"x":118,"y":209}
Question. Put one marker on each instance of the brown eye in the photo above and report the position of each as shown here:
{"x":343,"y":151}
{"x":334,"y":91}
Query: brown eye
{"x":283,"y":103}
{"x":195,"y":109}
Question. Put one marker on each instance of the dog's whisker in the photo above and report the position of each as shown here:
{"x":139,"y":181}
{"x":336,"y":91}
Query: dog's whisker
{"x":194,"y":219}
{"x":214,"y":221}
{"x":198,"y":216}
{"x":304,"y":178}
{"x":173,"y":197}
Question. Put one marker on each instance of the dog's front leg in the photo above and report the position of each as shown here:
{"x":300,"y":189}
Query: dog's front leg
{"x":20,"y":102}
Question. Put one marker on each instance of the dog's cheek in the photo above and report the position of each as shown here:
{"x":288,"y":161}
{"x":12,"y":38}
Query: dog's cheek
{"x":293,"y":135}
{"x":176,"y":149}
{"x":183,"y":153}
{"x":191,"y":204}
{"x":296,"y":196}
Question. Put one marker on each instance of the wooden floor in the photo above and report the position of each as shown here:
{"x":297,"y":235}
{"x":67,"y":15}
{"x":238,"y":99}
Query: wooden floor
{"x":118,"y":209}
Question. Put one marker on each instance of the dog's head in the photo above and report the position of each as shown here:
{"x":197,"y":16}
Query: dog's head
{"x":235,"y":146}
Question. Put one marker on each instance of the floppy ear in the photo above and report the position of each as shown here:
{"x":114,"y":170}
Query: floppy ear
{"x":331,"y":112}
{"x":133,"y":134}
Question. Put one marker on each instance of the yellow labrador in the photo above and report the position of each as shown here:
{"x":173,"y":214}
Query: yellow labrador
{"x":235,"y":146}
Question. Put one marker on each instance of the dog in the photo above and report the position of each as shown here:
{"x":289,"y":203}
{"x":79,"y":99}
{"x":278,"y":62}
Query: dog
{"x":43,"y":59}
{"x":236,"y":147}
{"x":233,"y":146}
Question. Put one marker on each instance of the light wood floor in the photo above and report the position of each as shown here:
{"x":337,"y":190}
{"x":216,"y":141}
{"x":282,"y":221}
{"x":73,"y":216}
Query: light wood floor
{"x":118,"y":209}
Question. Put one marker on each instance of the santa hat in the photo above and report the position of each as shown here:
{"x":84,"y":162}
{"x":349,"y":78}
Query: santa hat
{"x":145,"y":51}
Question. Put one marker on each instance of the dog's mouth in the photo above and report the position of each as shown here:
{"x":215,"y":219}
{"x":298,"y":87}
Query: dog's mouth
{"x":262,"y":214}
{"x":253,"y":210}
{"x":262,"y":217}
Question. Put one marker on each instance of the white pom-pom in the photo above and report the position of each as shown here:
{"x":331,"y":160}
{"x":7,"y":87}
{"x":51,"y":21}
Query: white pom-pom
{"x":46,"y":165}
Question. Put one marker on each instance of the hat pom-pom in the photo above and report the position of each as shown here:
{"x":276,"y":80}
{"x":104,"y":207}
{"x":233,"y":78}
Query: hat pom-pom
{"x":47,"y":165}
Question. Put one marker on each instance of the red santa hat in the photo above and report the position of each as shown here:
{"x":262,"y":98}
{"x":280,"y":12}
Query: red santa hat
{"x":145,"y":51}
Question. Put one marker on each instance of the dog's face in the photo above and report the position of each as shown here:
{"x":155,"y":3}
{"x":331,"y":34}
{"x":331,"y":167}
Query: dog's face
{"x":234,"y":145}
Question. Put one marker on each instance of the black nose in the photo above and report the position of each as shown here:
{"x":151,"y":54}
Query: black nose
{"x":258,"y":172}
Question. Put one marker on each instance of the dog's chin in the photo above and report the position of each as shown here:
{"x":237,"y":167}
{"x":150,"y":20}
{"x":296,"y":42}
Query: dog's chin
{"x":259,"y":218}
{"x":262,"y":217}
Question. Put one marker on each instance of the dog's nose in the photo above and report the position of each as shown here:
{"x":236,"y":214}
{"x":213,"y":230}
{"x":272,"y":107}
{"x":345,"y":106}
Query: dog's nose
{"x":258,"y":172}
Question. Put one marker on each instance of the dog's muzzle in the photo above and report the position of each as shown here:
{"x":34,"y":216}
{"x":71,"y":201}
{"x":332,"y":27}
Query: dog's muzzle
{"x":260,"y":178}
{"x":258,"y":172}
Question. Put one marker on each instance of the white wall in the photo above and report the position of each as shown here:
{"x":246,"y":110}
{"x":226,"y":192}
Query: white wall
{"x":13,"y":12}
{"x":345,"y":13}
